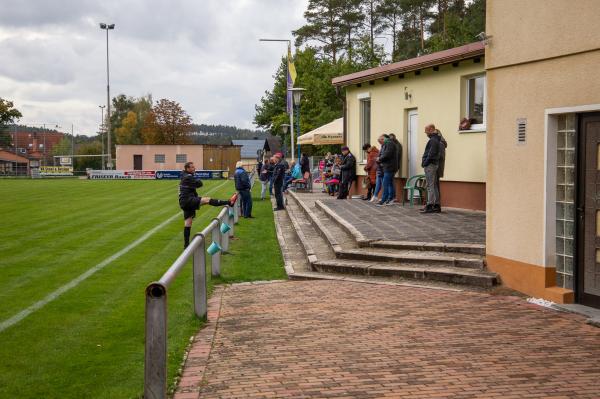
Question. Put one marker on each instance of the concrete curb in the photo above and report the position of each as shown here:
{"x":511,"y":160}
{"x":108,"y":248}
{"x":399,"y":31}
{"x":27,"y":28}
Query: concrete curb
{"x":360,"y":239}
{"x":287,"y":264}
{"x":318,"y":225}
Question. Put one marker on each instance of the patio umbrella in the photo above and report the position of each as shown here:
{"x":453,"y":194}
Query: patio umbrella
{"x":331,"y":133}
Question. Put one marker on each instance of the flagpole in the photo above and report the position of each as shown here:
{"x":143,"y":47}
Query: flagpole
{"x":287,"y":80}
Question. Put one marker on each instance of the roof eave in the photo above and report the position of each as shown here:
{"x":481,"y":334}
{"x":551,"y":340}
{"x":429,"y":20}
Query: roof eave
{"x":342,"y":81}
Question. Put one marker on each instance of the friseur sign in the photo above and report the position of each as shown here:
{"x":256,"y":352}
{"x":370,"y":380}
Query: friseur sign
{"x":150,"y":174}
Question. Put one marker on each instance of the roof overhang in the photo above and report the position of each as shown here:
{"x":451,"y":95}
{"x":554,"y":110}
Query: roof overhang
{"x":468,"y":51}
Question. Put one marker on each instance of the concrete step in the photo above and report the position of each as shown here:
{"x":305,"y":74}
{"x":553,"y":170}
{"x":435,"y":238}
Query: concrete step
{"x":429,"y":258}
{"x":344,"y":247}
{"x":475,"y":249}
{"x":454,"y":275}
{"x":362,"y":241}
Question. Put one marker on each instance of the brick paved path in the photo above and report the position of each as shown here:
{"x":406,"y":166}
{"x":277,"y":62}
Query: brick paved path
{"x":320,"y":339}
{"x":400,"y":223}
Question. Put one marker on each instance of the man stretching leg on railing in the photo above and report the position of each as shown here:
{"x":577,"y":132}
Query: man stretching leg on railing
{"x":189,"y":201}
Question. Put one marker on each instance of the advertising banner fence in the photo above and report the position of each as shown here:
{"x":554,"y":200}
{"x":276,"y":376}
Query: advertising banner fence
{"x":150,"y":174}
{"x":56,"y":171}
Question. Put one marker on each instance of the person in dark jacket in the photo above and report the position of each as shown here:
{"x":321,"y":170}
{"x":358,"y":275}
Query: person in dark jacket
{"x":388,"y":162}
{"x":398,"y":158}
{"x":189,"y":201}
{"x":441,"y":164}
{"x":243,"y":186}
{"x":278,"y":176}
{"x":263,"y":177}
{"x":305,"y":169}
{"x":430,"y":162}
{"x":348,"y":168}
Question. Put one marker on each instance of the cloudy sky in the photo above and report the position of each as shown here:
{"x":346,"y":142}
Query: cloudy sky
{"x":205,"y":54}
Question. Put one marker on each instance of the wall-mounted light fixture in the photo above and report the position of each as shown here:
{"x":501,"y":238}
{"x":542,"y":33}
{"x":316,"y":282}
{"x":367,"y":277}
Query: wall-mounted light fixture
{"x":407,"y":94}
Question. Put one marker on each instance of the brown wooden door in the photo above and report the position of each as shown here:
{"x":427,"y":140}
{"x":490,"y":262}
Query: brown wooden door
{"x":137,"y":162}
{"x":588,"y":272}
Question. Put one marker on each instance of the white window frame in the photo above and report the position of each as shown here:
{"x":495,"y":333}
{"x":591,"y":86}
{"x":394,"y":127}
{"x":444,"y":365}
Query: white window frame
{"x":164,"y":158}
{"x":477,"y":126}
{"x":180,"y":155}
{"x":362,"y":141}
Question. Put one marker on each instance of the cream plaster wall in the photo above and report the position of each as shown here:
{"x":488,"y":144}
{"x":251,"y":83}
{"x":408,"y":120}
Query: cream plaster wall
{"x":515,"y":178}
{"x":526,"y":30}
{"x":439,"y":99}
{"x":125,"y":155}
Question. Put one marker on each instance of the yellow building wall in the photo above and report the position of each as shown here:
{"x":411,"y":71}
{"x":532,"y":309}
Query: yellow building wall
{"x":515,"y":189}
{"x":439,"y":99}
{"x":542,"y":55}
{"x":527,"y":30}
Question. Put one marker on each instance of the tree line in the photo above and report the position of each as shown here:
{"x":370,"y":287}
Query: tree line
{"x":345,"y":36}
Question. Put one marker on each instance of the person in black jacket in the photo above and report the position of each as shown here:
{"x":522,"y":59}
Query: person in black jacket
{"x":189,"y":201}
{"x":388,"y":162}
{"x":398,"y":158}
{"x":243,"y":186}
{"x":278,"y":176}
{"x":430,"y":163}
{"x":348,"y":168}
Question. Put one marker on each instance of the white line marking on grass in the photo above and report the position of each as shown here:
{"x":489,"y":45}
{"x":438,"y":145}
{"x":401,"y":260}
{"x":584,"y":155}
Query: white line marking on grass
{"x":75,"y":282}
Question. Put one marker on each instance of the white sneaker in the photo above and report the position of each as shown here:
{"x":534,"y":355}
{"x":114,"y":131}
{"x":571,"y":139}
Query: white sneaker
{"x":389,"y":203}
{"x":373,"y":199}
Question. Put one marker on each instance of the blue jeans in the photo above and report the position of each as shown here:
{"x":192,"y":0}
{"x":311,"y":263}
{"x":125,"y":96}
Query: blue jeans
{"x":378,"y":183}
{"x":246,"y":203}
{"x":271,"y":185}
{"x":388,"y":187}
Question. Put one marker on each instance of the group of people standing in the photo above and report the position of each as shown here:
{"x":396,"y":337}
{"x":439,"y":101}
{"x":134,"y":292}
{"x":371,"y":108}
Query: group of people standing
{"x":339,"y":171}
{"x":383,"y":164}
{"x":381,"y":167}
{"x":272,"y":176}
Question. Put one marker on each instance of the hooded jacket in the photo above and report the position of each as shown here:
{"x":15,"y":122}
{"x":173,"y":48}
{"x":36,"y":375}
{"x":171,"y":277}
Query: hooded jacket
{"x":388,"y":157}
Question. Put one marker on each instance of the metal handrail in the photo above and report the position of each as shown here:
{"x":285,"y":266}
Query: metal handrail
{"x":155,"y":363}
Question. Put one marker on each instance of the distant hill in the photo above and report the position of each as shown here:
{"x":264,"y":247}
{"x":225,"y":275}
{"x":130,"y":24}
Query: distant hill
{"x":222,"y":134}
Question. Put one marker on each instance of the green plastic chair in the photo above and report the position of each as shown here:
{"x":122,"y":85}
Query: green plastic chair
{"x":415,"y":183}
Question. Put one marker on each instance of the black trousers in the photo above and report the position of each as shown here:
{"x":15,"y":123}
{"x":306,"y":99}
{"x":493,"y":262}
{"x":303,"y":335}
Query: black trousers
{"x":279,"y":195}
{"x":344,"y":188}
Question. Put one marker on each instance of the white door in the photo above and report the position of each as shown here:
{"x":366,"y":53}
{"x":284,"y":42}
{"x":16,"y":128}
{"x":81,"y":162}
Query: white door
{"x":413,"y":147}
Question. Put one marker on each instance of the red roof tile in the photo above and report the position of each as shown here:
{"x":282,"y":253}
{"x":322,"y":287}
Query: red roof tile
{"x":425,"y":61}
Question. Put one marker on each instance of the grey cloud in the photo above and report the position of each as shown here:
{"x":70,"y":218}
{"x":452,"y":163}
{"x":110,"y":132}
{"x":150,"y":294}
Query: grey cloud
{"x":203,"y":54}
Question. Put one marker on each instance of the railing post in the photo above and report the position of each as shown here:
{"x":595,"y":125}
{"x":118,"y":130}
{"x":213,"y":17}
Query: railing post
{"x":225,"y":237}
{"x":199,"y":280}
{"x":231,"y":220}
{"x":216,"y":258}
{"x":155,"y":366}
{"x":236,"y":211}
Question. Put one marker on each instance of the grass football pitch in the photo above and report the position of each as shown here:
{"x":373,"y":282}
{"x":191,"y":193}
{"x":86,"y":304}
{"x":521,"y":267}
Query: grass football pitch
{"x":88,"y":342}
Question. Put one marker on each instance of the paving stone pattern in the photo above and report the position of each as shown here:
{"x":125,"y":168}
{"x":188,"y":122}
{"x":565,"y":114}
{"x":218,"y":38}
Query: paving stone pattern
{"x":402,"y":223}
{"x":326,"y":339}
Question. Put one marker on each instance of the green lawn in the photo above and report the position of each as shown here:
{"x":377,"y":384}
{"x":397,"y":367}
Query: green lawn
{"x":89,"y":342}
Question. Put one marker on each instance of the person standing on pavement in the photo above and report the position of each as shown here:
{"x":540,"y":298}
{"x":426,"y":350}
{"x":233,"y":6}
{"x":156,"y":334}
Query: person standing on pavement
{"x":371,"y":168}
{"x":441,"y":163}
{"x":278,"y":175}
{"x":398,"y":158}
{"x":430,"y":163}
{"x":389,"y":164}
{"x":243,"y":187}
{"x":348,"y":168}
{"x":263,"y":177}
{"x":305,"y":169}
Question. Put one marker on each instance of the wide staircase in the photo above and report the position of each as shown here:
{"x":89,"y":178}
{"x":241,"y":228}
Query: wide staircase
{"x":316,"y":243}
